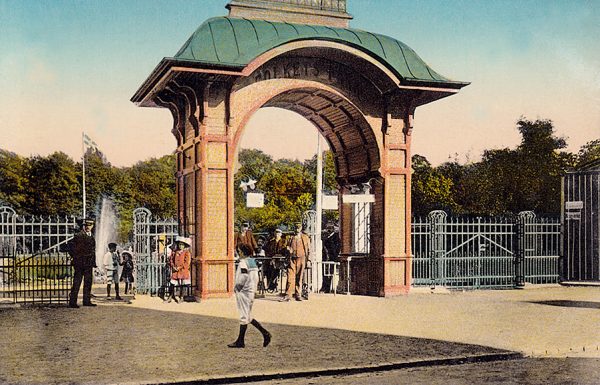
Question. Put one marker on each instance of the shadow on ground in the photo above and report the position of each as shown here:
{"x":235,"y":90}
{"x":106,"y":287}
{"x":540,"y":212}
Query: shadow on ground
{"x":566,"y":303}
{"x":116,"y":344}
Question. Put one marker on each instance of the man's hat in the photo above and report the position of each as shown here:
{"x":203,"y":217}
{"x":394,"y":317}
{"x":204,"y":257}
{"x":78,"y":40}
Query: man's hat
{"x":112,"y":244}
{"x":89,"y":221}
{"x":245,"y":224}
{"x":278,"y":231}
{"x":186,"y":240}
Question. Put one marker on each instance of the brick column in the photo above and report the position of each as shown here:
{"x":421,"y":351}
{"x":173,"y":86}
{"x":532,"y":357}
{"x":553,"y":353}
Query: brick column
{"x":396,"y":200}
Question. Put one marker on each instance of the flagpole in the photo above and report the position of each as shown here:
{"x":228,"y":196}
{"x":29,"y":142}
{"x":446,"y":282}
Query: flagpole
{"x":83,"y":148}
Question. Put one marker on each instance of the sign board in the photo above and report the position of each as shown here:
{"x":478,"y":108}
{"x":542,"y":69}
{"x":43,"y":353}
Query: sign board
{"x":330,"y":202}
{"x":574,"y":205}
{"x":254,"y":199}
{"x":573,"y":215}
{"x":358,"y":198}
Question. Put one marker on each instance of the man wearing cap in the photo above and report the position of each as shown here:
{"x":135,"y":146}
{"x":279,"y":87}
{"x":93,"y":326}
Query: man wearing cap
{"x":179,"y":262}
{"x":111,"y":262}
{"x":82,"y":249}
{"x":299,"y":249}
{"x":245,"y":244}
{"x":276,"y":249}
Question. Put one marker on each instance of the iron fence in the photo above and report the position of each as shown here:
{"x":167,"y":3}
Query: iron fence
{"x":152,"y":238}
{"x":34,"y":264}
{"x":492,"y":252}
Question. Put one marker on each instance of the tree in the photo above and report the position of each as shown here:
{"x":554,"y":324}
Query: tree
{"x":430,"y":189}
{"x":589,"y":152}
{"x":52,"y":187}
{"x":13,"y":170}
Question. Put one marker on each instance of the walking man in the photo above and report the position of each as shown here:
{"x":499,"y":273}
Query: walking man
{"x":82,"y":249}
{"x":246,"y":279}
{"x":299,"y":248}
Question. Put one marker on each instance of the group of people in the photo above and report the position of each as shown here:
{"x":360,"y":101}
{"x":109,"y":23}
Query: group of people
{"x":292,"y":252}
{"x":82,"y":249}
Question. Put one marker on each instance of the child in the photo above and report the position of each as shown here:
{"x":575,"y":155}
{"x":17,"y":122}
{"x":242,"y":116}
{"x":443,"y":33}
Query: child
{"x":112,"y":261}
{"x":179,"y":262}
{"x":127,"y":273}
{"x":246,"y":278}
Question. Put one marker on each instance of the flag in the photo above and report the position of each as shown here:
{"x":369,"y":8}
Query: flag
{"x":89,"y":143}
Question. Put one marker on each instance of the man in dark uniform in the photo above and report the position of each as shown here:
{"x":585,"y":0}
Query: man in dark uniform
{"x":275,"y":249}
{"x":331,"y":251}
{"x":82,"y":249}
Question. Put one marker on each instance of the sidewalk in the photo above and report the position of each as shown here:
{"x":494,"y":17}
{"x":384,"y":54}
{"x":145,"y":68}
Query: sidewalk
{"x":148,"y":341}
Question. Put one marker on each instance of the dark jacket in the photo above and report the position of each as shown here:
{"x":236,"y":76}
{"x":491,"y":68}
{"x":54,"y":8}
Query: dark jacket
{"x":82,"y":249}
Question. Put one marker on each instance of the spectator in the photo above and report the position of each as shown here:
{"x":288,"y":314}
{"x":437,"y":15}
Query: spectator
{"x":299,"y":249}
{"x":127,"y":273}
{"x":82,"y":249}
{"x":179,"y":262}
{"x":111,"y":263}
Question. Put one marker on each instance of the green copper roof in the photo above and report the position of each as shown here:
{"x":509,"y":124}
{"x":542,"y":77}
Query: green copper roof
{"x":234,"y":42}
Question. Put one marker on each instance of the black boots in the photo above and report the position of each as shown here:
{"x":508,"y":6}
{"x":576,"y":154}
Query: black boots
{"x":264,"y":332}
{"x":239,"y":343}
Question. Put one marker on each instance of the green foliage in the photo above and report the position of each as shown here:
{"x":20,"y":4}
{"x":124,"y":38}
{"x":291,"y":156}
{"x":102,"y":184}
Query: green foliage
{"x":505,"y":180}
{"x":52,"y":187}
{"x":13,"y":179}
{"x":589,"y":152}
{"x":431,"y":190}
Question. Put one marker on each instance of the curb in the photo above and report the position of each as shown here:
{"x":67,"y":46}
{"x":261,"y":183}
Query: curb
{"x":349,"y":370}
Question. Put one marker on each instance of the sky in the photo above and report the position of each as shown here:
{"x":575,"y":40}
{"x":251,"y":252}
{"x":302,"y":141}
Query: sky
{"x":68,"y":66}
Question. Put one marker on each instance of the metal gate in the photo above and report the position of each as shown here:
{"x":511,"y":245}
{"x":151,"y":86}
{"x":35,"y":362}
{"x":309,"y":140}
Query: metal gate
{"x":34,"y":264}
{"x":581,"y":221}
{"x":152,"y":238}
{"x":485,"y":252}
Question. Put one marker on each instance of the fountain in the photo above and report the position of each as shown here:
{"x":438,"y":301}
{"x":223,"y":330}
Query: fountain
{"x":106,"y":229}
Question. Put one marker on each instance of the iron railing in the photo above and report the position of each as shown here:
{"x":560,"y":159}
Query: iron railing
{"x":485,"y":252}
{"x":34,"y":264}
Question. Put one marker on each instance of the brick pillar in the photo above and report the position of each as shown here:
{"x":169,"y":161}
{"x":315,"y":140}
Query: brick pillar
{"x":214,"y":196}
{"x":396,"y":211}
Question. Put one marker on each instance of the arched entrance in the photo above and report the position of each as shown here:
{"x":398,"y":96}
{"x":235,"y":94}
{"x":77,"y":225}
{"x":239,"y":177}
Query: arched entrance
{"x":359,"y":89}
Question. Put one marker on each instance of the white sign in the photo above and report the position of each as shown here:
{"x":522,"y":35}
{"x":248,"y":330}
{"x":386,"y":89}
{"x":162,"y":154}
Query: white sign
{"x":574,"y":205}
{"x":358,"y":198}
{"x":330,"y":202}
{"x":573,"y":216}
{"x":254,"y":199}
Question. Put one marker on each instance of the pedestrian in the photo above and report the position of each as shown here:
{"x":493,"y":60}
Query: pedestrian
{"x":179,"y":262}
{"x":111,"y":262}
{"x":82,"y":249}
{"x":331,"y":251}
{"x":127,"y":273}
{"x":276,"y":250}
{"x":245,"y":244}
{"x":299,"y":249}
{"x":246,"y":279}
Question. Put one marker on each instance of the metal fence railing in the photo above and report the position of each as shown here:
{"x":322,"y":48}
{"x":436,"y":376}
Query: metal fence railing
{"x":34,"y":264}
{"x":491,"y":252}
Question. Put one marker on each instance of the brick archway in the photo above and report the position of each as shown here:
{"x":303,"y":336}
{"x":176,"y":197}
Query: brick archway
{"x":360,"y":93}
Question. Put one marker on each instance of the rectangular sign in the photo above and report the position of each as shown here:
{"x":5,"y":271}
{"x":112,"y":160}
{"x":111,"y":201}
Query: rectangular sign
{"x":330,"y":202}
{"x":573,"y":215}
{"x":254,"y":199}
{"x":358,"y":198}
{"x":574,"y":205}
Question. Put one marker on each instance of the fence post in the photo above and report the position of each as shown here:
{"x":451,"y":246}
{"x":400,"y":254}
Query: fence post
{"x":523,"y":218}
{"x":437,"y":219}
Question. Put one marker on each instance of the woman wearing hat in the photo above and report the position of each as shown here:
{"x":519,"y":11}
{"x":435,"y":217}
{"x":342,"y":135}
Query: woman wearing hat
{"x":179,"y":262}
